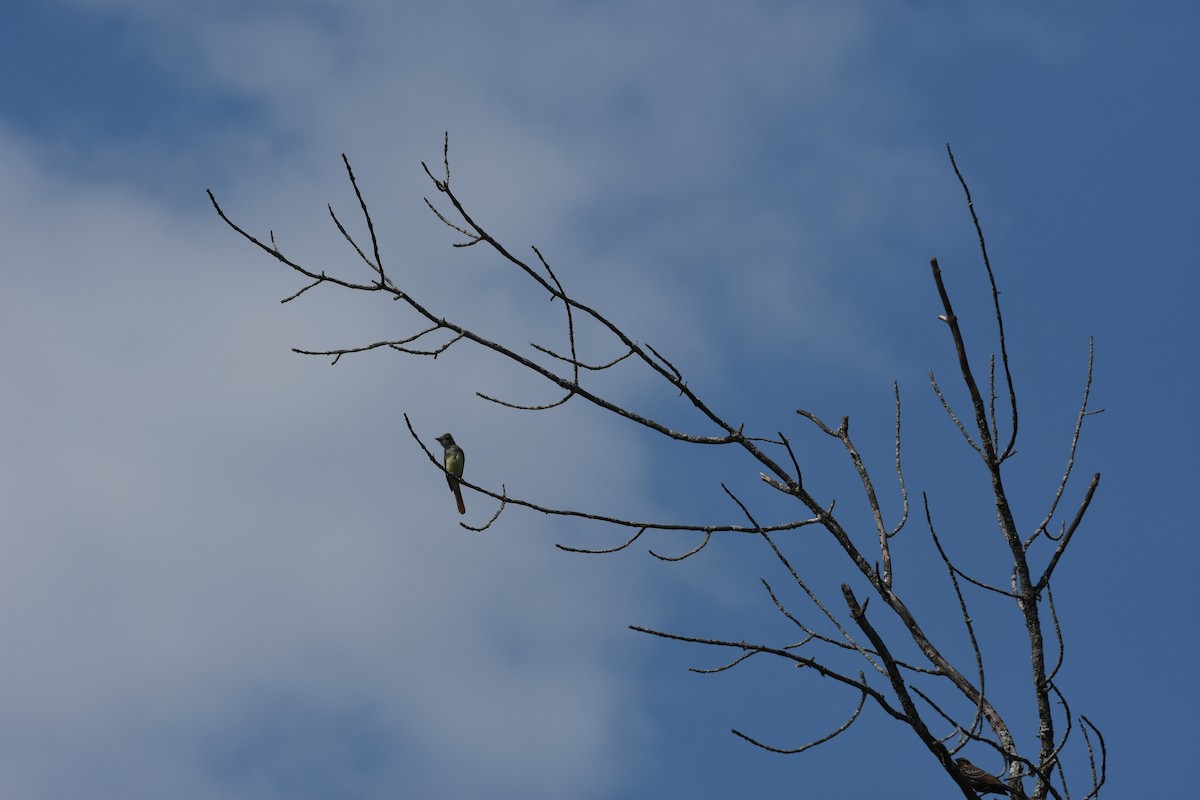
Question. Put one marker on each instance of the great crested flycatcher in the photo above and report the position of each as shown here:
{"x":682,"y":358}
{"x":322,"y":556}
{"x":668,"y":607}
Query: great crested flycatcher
{"x":455,"y":459}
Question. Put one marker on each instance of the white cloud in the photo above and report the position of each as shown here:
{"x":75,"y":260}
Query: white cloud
{"x":193,"y":515}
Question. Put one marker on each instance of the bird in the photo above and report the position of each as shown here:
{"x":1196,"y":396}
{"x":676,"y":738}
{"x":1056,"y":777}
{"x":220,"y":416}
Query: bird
{"x":982,"y":782}
{"x":454,"y":459}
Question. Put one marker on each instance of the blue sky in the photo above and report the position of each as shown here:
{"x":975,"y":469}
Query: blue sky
{"x":228,"y":573}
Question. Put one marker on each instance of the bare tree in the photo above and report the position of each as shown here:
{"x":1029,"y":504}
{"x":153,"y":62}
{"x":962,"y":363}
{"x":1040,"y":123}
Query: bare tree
{"x":885,"y":657}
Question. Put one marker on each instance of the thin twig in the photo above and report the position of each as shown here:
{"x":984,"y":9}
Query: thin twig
{"x":987,"y":263}
{"x":792,"y":751}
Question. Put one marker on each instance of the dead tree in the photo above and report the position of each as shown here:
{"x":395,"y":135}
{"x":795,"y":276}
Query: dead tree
{"x":902,"y":668}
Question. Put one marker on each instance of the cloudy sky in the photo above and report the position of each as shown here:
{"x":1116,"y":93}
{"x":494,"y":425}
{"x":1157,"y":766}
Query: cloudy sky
{"x":227,"y":571}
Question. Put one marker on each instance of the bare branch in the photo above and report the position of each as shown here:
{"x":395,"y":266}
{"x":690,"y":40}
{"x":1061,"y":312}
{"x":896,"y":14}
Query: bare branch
{"x":765,"y":533}
{"x":825,"y":429}
{"x":911,"y":716}
{"x":315,"y":283}
{"x":1058,"y":636}
{"x":703,"y":543}
{"x":521,"y":407}
{"x":899,"y":469}
{"x":800,"y":661}
{"x":962,"y":605}
{"x":1023,"y":586}
{"x":616,"y":549}
{"x":1097,"y":780}
{"x":350,"y":239}
{"x":724,"y":667}
{"x":962,"y":733}
{"x":395,"y":345}
{"x":857,"y":709}
{"x":885,"y":553}
{"x":377,"y":264}
{"x":795,"y":463}
{"x":954,"y":570}
{"x":851,"y":645}
{"x":1012,"y":392}
{"x":472,"y":239}
{"x":317,"y":277}
{"x":1067,"y":732}
{"x":675,"y":373}
{"x":574,"y":360}
{"x":946,"y":405}
{"x":986,"y":446}
{"x":581,"y":364}
{"x":1083,"y":412}
{"x":1070,"y":532}
{"x":506,"y":499}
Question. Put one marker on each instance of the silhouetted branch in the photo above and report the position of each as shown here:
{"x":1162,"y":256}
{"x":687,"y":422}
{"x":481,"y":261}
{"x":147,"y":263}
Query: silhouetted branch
{"x":857,"y":710}
{"x":1097,"y":780}
{"x":564,"y":368}
{"x":800,"y":661}
{"x":987,"y":263}
{"x":899,"y":469}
